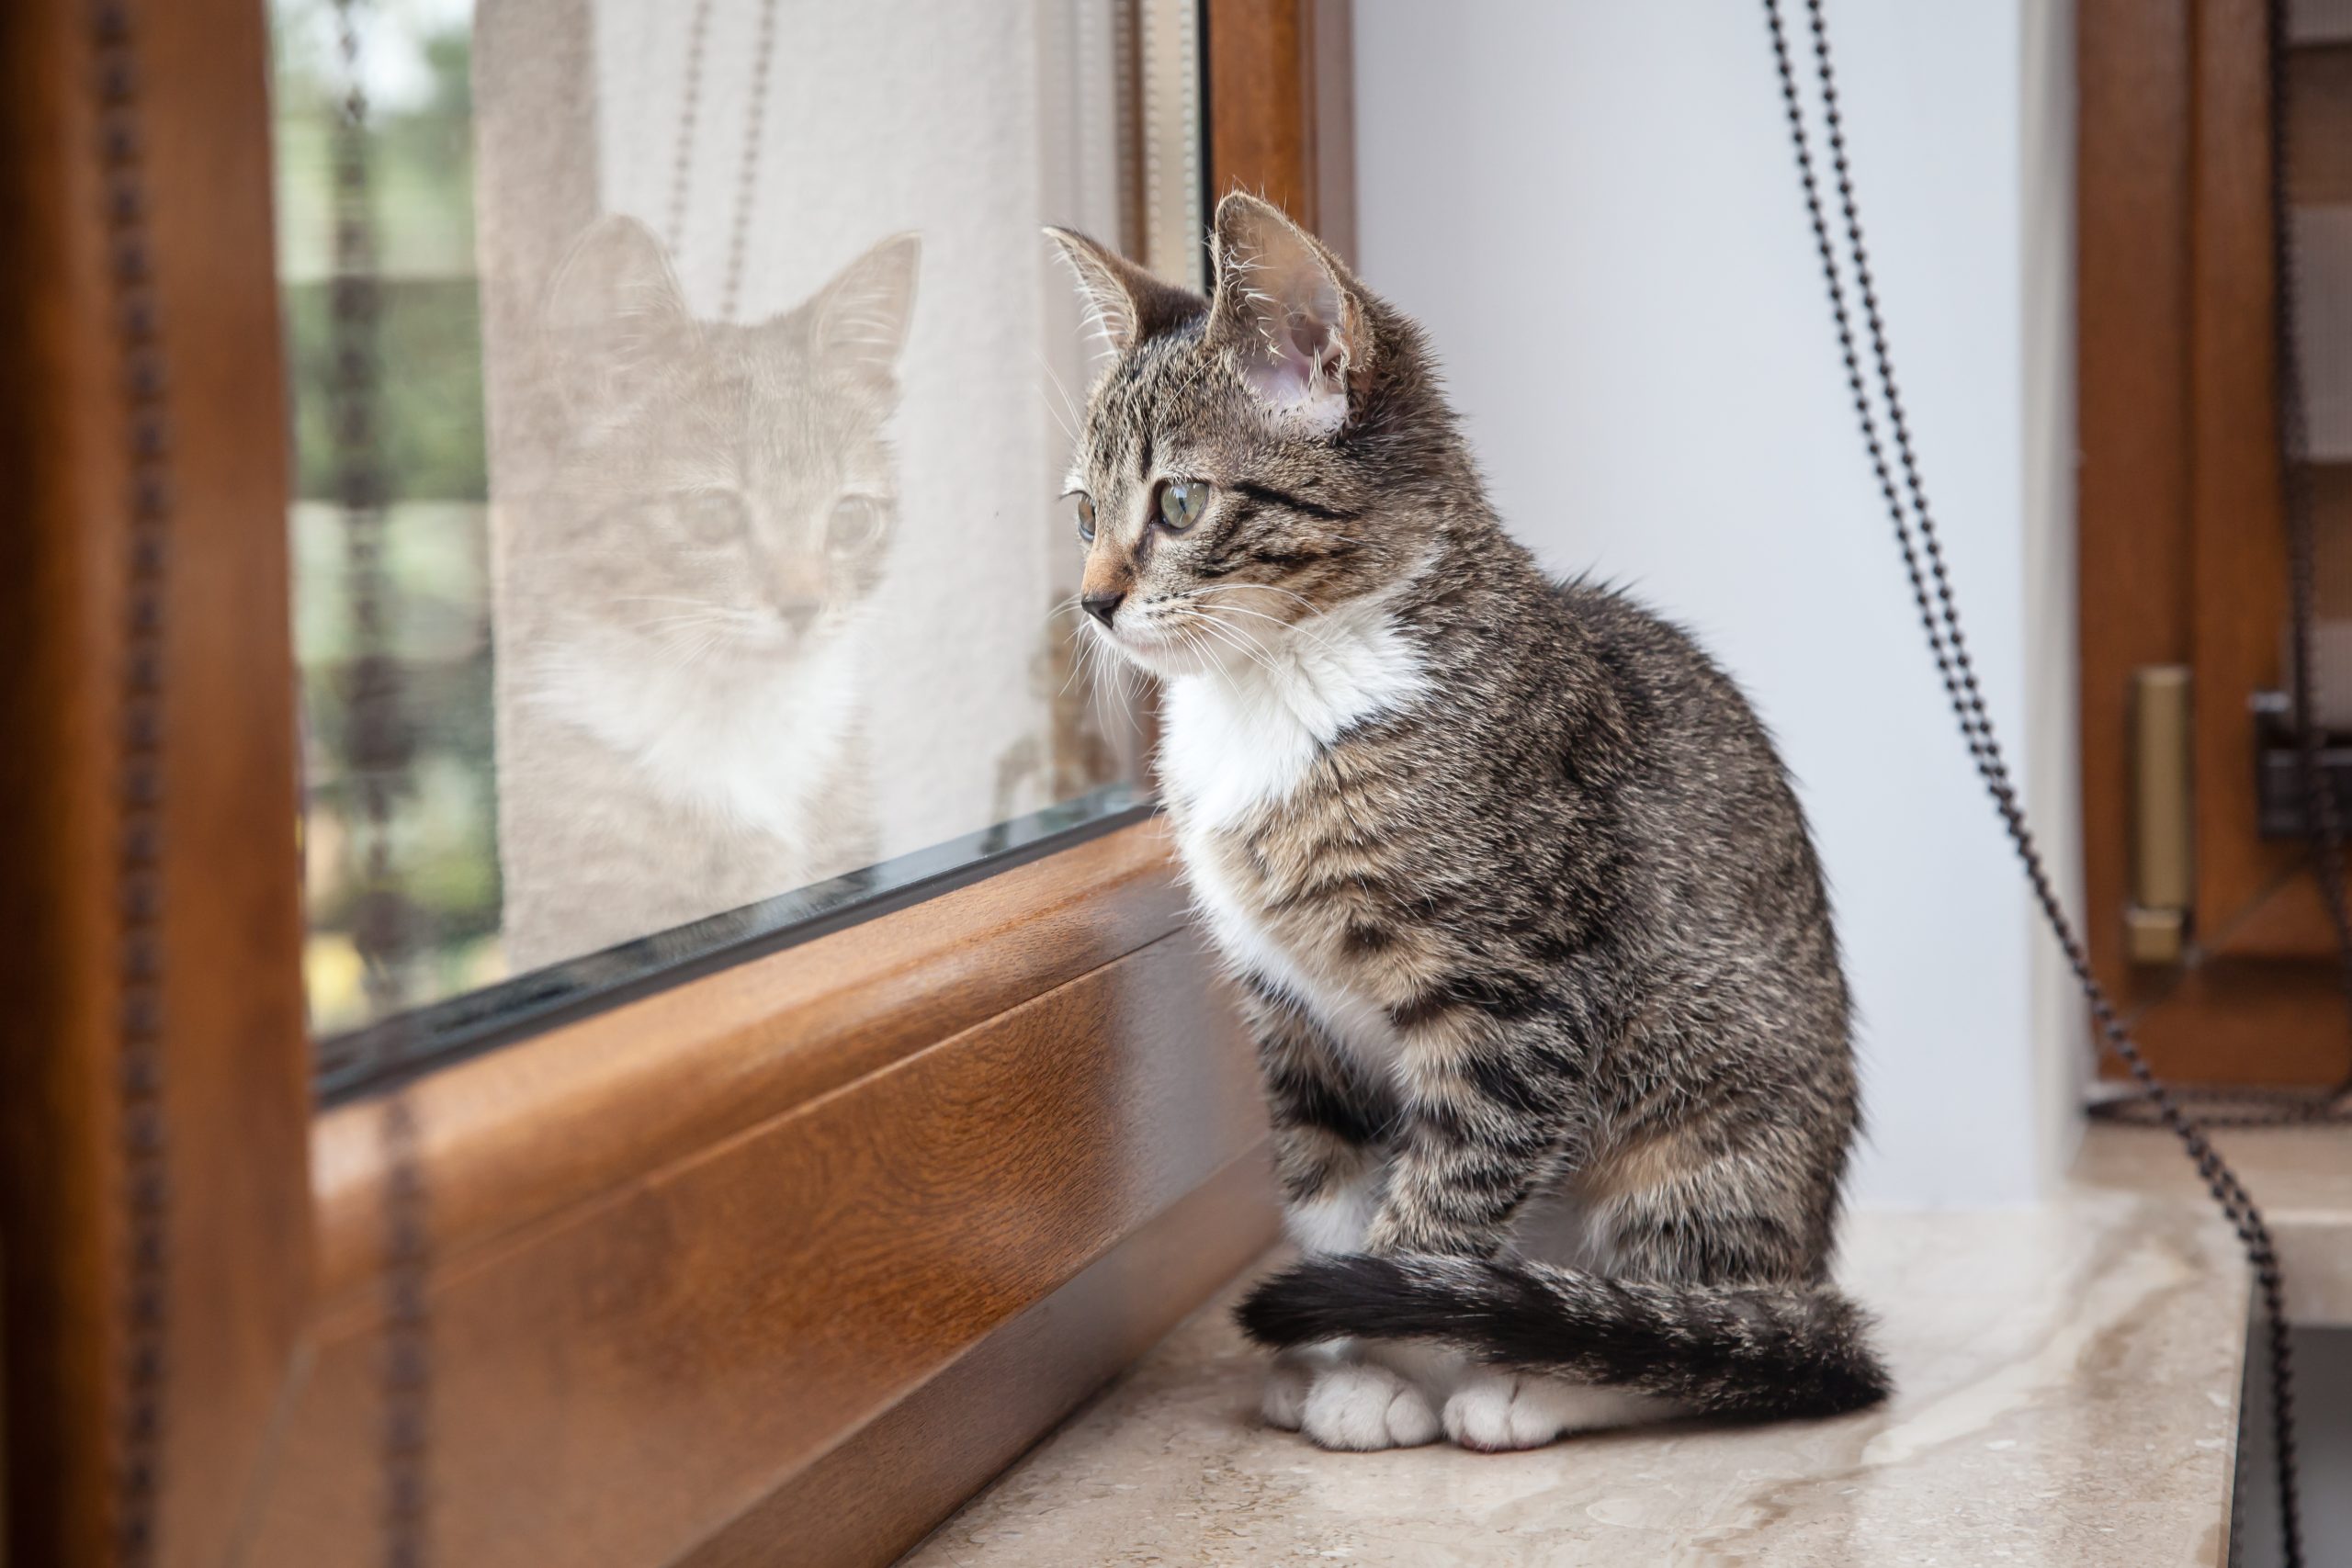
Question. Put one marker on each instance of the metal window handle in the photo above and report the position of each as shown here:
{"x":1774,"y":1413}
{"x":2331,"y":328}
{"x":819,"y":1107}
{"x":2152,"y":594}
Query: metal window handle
{"x":2162,"y":842}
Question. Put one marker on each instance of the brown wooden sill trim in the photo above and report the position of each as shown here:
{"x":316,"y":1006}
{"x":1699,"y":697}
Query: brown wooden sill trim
{"x":883,"y":1487}
{"x":618,"y":1381}
{"x":513,"y":1135}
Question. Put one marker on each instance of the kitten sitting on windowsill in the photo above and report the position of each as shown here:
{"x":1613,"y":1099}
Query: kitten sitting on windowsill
{"x":1529,"y":927}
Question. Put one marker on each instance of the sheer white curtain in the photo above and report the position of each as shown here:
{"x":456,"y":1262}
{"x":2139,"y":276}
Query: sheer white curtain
{"x":767,"y":145}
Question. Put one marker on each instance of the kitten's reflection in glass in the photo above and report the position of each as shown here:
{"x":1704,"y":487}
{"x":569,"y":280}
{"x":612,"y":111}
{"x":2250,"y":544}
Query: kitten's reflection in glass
{"x":703,"y":554}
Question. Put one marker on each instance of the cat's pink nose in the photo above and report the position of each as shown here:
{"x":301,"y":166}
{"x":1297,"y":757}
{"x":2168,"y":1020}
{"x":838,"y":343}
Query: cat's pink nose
{"x":800,"y":617}
{"x":1102,"y":606}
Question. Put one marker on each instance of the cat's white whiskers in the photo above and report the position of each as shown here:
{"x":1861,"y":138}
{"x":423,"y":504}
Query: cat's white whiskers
{"x":687,"y":648}
{"x":1100,"y":667}
{"x":1199,"y":636}
{"x":1066,"y":416}
{"x":1091,"y":667}
{"x":1296,"y":628}
{"x":1232,"y":636}
{"x":1078,"y":666}
{"x":1257,"y":641}
{"x":1299,"y":627}
{"x":1259,"y":587}
{"x":1113,"y":695}
{"x":694,"y":618}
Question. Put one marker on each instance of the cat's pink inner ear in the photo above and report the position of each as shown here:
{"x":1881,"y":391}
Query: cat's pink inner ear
{"x":1304,"y":368}
{"x":1285,"y":314}
{"x":1295,"y":355}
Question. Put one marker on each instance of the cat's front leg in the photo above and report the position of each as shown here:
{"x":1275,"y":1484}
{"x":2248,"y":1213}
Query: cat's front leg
{"x":1330,"y":1125}
{"x":1485,"y":1115}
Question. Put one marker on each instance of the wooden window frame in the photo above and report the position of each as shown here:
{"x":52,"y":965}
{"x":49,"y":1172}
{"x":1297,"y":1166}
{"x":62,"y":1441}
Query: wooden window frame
{"x":775,"y":1265}
{"x":2181,"y":556}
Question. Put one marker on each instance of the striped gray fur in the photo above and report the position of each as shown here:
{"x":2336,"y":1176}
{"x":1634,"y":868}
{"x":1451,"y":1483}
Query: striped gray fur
{"x":1533,"y":929}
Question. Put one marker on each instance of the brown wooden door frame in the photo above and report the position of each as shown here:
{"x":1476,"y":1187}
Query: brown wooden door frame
{"x":1014,"y":1128}
{"x":147,"y":192}
{"x":2181,"y":554}
{"x":1282,"y":104}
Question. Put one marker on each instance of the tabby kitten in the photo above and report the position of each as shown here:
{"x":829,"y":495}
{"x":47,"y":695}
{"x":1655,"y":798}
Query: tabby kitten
{"x":1530,"y":930}
{"x":701,"y":556}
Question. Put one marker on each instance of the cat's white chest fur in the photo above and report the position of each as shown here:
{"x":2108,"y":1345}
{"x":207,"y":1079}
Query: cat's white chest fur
{"x":747,"y":741}
{"x":1236,"y":743}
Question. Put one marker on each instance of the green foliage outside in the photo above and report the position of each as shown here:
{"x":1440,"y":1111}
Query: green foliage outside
{"x":429,"y":449}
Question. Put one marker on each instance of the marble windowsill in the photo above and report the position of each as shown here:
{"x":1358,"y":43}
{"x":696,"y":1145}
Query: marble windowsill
{"x":2069,"y":1379}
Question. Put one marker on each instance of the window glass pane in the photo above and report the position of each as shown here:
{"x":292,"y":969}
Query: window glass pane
{"x":683,"y":389}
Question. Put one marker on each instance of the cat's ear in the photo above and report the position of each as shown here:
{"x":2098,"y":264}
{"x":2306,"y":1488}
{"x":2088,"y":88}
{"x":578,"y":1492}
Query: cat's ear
{"x":615,"y":316}
{"x":1289,"y":312}
{"x":1128,"y":304}
{"x":860,"y":319}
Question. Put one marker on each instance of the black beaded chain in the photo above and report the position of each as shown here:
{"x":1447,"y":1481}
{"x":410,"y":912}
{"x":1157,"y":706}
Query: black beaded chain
{"x":378,"y":746}
{"x":144,"y":1171}
{"x":747,"y":182}
{"x":689,"y":110}
{"x":1940,"y":617}
{"x":375,"y":742}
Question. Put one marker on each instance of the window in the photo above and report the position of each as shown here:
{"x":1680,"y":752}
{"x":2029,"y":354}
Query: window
{"x":476,"y":1300}
{"x":680,"y":393}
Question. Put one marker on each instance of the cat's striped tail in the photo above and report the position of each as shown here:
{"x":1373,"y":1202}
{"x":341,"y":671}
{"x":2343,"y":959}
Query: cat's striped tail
{"x":1754,"y":1352}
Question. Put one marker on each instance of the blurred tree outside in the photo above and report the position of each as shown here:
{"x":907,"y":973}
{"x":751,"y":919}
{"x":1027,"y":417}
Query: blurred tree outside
{"x":415,"y":69}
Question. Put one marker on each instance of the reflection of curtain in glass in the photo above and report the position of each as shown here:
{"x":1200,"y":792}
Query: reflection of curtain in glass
{"x":535,"y":190}
{"x":780,"y":142}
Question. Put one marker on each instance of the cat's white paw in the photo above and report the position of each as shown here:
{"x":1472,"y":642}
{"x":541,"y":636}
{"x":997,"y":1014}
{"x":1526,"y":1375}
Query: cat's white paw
{"x":1283,"y":1403}
{"x":1292,"y":1377}
{"x":1495,"y":1412}
{"x":1361,"y":1407}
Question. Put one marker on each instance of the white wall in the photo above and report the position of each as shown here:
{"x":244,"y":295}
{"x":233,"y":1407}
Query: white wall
{"x":1593,"y":208}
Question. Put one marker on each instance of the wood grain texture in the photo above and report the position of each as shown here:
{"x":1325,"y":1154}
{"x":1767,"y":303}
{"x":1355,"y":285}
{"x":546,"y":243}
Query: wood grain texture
{"x":2131,"y":412}
{"x":2180,"y":545}
{"x":737,"y":1244}
{"x":2237,"y":556}
{"x":2276,"y":1023}
{"x":1011,"y":1387}
{"x":621,"y":1381}
{"x":236,"y":1104}
{"x":2252,"y":902}
{"x":566,"y":1117}
{"x":1261,"y":125}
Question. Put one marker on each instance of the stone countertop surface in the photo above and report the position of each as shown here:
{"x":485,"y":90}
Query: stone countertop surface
{"x":2301,"y":1177}
{"x":2068,"y":1380}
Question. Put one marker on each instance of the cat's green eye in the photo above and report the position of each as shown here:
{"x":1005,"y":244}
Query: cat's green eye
{"x":1182,"y":501}
{"x":1086,"y":519}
